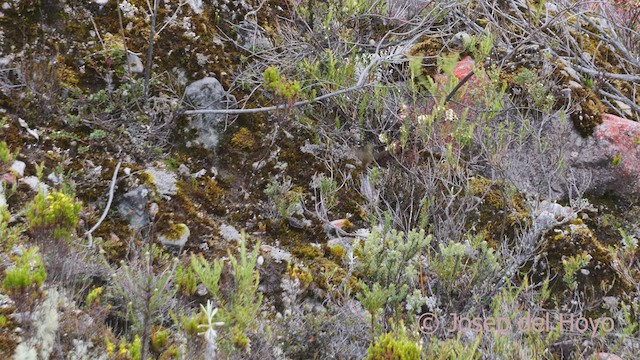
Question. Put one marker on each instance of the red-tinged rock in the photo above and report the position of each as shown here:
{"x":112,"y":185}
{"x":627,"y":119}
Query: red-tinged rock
{"x":472,"y":94}
{"x":464,"y":67}
{"x":8,"y":178}
{"x":341,"y":223}
{"x":607,"y":356}
{"x":619,"y":138}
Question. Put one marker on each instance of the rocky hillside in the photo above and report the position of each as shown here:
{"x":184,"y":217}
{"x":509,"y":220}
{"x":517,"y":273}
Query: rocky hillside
{"x":341,"y":179}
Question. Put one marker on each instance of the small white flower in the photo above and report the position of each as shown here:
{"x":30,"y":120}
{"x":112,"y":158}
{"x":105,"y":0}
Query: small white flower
{"x":450,"y":115}
{"x":383,"y":138}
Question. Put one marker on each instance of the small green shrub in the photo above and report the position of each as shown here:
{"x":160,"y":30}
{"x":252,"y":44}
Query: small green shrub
{"x":394,"y":347}
{"x":56,"y":214}
{"x":94,"y":296}
{"x":280,"y":85}
{"x":283,"y":197}
{"x":5,"y":154}
{"x":186,"y":280}
{"x":26,"y":276}
{"x":239,"y":305}
{"x":571,"y":266}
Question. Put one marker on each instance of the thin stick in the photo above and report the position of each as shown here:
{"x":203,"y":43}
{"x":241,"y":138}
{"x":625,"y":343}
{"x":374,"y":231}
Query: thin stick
{"x":106,"y":209}
{"x":276,"y":107}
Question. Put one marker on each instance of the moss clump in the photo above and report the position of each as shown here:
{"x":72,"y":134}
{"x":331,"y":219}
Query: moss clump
{"x":307,"y":252}
{"x":501,"y":211}
{"x":589,"y":113}
{"x":243,"y":139}
{"x":336,"y":252}
{"x":575,"y":239}
{"x":175,"y":231}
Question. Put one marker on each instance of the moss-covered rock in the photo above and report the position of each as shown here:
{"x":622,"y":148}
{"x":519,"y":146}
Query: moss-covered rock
{"x":600,"y":277}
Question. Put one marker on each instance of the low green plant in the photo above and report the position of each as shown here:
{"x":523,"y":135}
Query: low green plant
{"x":283,"y":197}
{"x":135,"y":349}
{"x":388,"y":266}
{"x":240,"y":302}
{"x":147,"y":285}
{"x":454,"y":349}
{"x":54,"y":214}
{"x":279,"y":84}
{"x":94,"y":296}
{"x":6,"y":156}
{"x":373,"y":299}
{"x":394,"y":346}
{"x":617,"y":160}
{"x":571,"y":266}
{"x":98,"y":134}
{"x":23,"y":280}
{"x":448,"y":263}
{"x":186,"y":280}
{"x":474,"y":258}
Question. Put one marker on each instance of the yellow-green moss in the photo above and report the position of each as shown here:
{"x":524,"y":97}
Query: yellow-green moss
{"x":175,"y":231}
{"x":589,"y":114}
{"x":243,"y":139}
{"x":336,"y":252}
{"x":572,"y":240}
{"x":307,"y":252}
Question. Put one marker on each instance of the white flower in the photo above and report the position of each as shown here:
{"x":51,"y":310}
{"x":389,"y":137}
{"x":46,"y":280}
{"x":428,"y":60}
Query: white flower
{"x":383,"y":138}
{"x":450,"y":115}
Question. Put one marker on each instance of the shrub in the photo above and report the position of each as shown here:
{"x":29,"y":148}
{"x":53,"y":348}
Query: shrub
{"x":55,"y":214}
{"x":27,"y":274}
{"x":394,"y":346}
{"x":23,"y":280}
{"x":238,"y":305}
{"x":148,"y":290}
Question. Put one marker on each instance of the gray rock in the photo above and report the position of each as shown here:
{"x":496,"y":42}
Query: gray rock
{"x":18,"y":168}
{"x":35,"y":184}
{"x":208,"y":94}
{"x":229,"y":233}
{"x":607,"y":161}
{"x":184,"y":170}
{"x":252,"y":36}
{"x":166,"y":182}
{"x":196,"y":6}
{"x":177,"y":236}
{"x":135,"y":63}
{"x":133,"y":207}
{"x":55,"y":179}
{"x":278,"y":255}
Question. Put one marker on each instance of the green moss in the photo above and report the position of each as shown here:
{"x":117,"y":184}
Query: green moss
{"x":27,"y":273}
{"x":336,"y":252}
{"x":175,"y":231}
{"x":589,"y":114}
{"x":576,"y":239}
{"x":307,"y":252}
{"x":500,"y":214}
